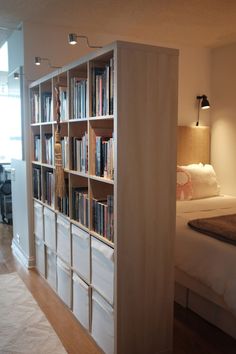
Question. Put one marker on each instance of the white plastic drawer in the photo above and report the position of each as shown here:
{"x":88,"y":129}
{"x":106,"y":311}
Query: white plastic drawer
{"x":64,"y":282}
{"x":102,"y":323}
{"x":81,"y":301}
{"x":63,"y":239}
{"x":38,"y":220}
{"x":81,"y":252}
{"x":51,"y":266}
{"x":49,"y":228}
{"x":40,"y":256}
{"x":103,"y":268}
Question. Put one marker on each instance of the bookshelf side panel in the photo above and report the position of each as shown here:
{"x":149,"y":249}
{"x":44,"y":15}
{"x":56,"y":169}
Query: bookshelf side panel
{"x":147,"y":94}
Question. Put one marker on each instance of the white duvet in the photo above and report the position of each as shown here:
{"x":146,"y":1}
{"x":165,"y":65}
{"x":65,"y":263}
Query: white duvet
{"x":210,"y":261}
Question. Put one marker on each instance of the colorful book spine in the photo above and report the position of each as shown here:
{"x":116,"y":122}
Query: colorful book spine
{"x":103,"y":217}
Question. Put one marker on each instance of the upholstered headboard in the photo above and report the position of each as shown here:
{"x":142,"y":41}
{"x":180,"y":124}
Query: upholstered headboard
{"x":193,"y":145}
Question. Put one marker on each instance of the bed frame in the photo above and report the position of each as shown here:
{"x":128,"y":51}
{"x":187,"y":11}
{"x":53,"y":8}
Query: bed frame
{"x":197,"y":297}
{"x":194,"y":147}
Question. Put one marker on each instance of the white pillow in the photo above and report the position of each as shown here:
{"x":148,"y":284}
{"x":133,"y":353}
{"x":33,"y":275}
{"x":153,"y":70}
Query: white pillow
{"x":203,"y":178}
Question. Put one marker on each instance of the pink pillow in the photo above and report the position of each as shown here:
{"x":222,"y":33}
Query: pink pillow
{"x":204,"y":181}
{"x":184,"y":189}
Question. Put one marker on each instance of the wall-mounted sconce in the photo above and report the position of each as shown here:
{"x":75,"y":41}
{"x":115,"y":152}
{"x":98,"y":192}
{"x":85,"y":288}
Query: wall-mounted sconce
{"x":203,"y":103}
{"x":72,"y":39}
{"x":17,"y":75}
{"x":38,"y":60}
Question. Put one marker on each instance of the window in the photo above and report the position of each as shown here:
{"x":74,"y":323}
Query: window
{"x":10,"y":112}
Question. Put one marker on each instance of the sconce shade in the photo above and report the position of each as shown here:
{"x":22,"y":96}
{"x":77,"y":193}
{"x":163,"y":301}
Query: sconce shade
{"x":16,"y":76}
{"x":37,"y":61}
{"x":72,"y":38}
{"x":205,"y":103}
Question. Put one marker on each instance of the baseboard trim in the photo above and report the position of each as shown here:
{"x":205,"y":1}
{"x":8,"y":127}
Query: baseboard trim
{"x":26,"y":261}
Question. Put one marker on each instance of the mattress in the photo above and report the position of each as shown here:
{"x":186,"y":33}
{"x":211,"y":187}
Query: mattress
{"x":209,"y":261}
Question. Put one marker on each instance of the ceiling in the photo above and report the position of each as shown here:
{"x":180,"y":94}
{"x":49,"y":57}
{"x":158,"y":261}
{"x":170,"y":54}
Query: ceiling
{"x":208,"y":23}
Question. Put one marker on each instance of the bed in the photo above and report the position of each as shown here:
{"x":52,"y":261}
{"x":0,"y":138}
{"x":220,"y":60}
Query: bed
{"x":205,"y":268}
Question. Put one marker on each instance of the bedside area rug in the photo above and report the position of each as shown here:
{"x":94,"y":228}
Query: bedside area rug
{"x":23,"y":326}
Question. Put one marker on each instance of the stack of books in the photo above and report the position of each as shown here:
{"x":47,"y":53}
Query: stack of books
{"x":46,"y":107}
{"x":103,"y":89}
{"x":80,"y":153}
{"x":104,"y":157}
{"x":80,"y":205}
{"x":35,"y":107}
{"x":49,"y":188}
{"x":37,"y":183}
{"x":79,"y":97}
{"x":49,"y":148}
{"x":37,"y":154}
{"x":103,"y":217}
{"x":65,"y":151}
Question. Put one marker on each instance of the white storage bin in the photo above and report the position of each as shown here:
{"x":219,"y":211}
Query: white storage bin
{"x":64,"y":282}
{"x":103,"y":268}
{"x":103,"y":323}
{"x":40,"y":256}
{"x":63,"y":239}
{"x":49,"y":228}
{"x":81,"y":252}
{"x":38,"y":220}
{"x":81,"y":300}
{"x":51,"y":266}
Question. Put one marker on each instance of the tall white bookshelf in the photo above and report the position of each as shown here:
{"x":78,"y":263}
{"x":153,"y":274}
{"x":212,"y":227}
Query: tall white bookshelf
{"x":107,"y":248}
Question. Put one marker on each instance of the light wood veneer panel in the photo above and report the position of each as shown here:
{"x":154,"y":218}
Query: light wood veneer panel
{"x":145,"y":191}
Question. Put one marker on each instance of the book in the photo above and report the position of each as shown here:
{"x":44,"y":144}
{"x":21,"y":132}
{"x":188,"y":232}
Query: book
{"x":63,"y":96}
{"x":63,"y":203}
{"x":49,"y":187}
{"x":35,"y":107}
{"x":103,"y":217}
{"x":37,"y":148}
{"x":104,"y":157}
{"x":37,"y":183}
{"x":79,"y":94}
{"x":80,"y":205}
{"x":49,"y":149}
{"x":46,"y":107}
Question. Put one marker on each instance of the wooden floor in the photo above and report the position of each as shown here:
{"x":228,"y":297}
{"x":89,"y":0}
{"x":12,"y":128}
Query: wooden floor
{"x":192,"y":335}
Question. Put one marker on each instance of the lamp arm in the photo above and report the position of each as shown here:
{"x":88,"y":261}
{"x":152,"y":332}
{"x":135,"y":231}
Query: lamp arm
{"x":50,"y":64}
{"x":198,"y":112}
{"x":88,"y":44}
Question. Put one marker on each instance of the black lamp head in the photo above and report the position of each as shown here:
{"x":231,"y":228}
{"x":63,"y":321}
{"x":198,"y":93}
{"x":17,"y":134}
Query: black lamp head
{"x":204,"y":103}
{"x":16,"y":76}
{"x":72,"y":38}
{"x":37,"y":60}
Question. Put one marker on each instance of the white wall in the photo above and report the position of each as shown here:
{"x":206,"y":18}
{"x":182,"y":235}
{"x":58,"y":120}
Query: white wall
{"x":223,"y":116}
{"x":194,"y":79}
